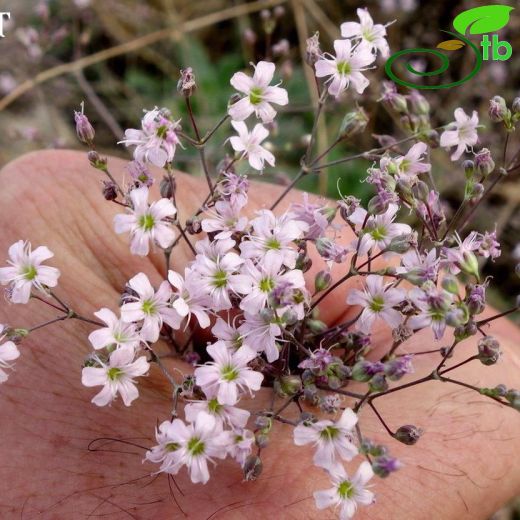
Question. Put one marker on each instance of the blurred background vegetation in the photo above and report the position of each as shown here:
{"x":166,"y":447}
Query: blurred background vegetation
{"x":121,"y":56}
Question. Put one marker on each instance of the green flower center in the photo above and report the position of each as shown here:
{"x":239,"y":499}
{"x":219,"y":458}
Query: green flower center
{"x":161,"y":131}
{"x":229,"y":373}
{"x":114,"y":373}
{"x":172,"y":446}
{"x":377,"y":304}
{"x":266,"y":284}
{"x":220,"y":279}
{"x":30,"y":272}
{"x":272,"y":243}
{"x":378,"y":233}
{"x":214,"y":406}
{"x":146,"y":222}
{"x":345,"y":490}
{"x":329,"y":432}
{"x":195,"y":446}
{"x":255,"y":95}
{"x":344,"y":68}
{"x":148,"y":307}
{"x":368,"y":36}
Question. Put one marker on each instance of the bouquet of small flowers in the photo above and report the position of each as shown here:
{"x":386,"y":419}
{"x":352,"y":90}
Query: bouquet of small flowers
{"x":247,"y":289}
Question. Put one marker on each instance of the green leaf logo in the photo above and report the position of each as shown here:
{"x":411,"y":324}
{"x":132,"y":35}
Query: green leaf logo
{"x":451,"y":45}
{"x":481,"y":20}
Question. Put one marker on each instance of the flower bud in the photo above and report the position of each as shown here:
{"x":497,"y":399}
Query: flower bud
{"x":96,"y":161}
{"x":431,"y":138}
{"x":421,"y":191}
{"x":399,"y":367}
{"x":513,"y":396}
{"x":252,"y":468}
{"x":378,"y":383}
{"x":249,"y":36}
{"x":303,"y":262}
{"x":469,"y":168}
{"x":109,"y":190}
{"x":322,"y":281}
{"x":167,"y":187}
{"x":84,"y":130}
{"x":484,"y":162}
{"x":316,"y":326}
{"x":401,"y":243}
{"x":261,"y":440}
{"x":456,"y":317}
{"x":497,"y":109}
{"x":403,"y":188}
{"x":463,"y":332}
{"x":330,"y":403}
{"x":193,"y":226}
{"x":408,"y":434}
{"x":418,"y":103}
{"x":488,"y":350}
{"x":377,"y":205}
{"x":310,"y":394}
{"x":263,"y":423}
{"x":288,"y":385}
{"x":515,"y":107}
{"x":363,"y":370}
{"x":385,"y":465}
{"x":353,"y":123}
{"x":312,"y":50}
{"x":186,"y":85}
{"x":449,"y":284}
{"x":347,"y":206}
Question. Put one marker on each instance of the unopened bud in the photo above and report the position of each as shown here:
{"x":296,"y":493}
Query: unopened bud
{"x":484,"y":162}
{"x":312,"y":50}
{"x":408,"y":434}
{"x":186,"y":84}
{"x":449,"y":284}
{"x":316,"y":326}
{"x":385,"y":465}
{"x":378,"y":383}
{"x":288,"y":385}
{"x":469,"y":168}
{"x":194,"y":226}
{"x":402,"y":243}
{"x":516,"y":106}
{"x":377,"y":205}
{"x":303,"y":262}
{"x":167,"y":187}
{"x":262,"y":440}
{"x":109,"y":190}
{"x":252,"y":468}
{"x":96,"y":161}
{"x":418,"y":103}
{"x":488,"y":350}
{"x":353,"y":123}
{"x":497,"y":109}
{"x":84,"y":130}
{"x":322,"y":281}
{"x":421,"y":191}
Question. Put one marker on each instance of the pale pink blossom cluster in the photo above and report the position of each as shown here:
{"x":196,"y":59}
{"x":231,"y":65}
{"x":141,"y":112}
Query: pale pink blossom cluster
{"x":249,"y":293}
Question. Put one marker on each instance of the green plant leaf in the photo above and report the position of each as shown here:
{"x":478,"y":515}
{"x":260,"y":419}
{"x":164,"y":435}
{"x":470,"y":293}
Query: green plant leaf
{"x":451,"y":45}
{"x":483,"y":19}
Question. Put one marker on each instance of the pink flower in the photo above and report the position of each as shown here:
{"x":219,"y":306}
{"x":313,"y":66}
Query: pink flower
{"x":248,"y":144}
{"x":146,"y":222}
{"x":372,"y":36}
{"x":191,"y":445}
{"x":433,"y":306}
{"x":157,"y":140}
{"x":227,"y":414}
{"x":259,"y":94}
{"x":116,"y":377}
{"x":346,"y":492}
{"x":241,"y":446}
{"x":225,"y":220}
{"x":332,"y":439}
{"x":345,"y":68}
{"x":8,"y":352}
{"x":261,"y":332}
{"x":273,"y":238}
{"x":150,"y":308}
{"x":228,"y":373}
{"x":315,"y":215}
{"x":461,"y":133}
{"x":117,"y":333}
{"x":26,"y":271}
{"x":377,"y":301}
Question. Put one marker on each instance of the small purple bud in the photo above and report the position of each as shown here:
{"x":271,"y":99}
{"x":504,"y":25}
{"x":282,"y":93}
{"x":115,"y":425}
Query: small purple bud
{"x":488,"y":350}
{"x":252,"y":468}
{"x":167,"y":187}
{"x":109,"y":190}
{"x":84,"y":130}
{"x":186,"y":84}
{"x":385,"y":465}
{"x":497,"y":109}
{"x":484,"y":162}
{"x":312,"y":49}
{"x":194,"y":226}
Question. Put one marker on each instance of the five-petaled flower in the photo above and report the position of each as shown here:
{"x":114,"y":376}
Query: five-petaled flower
{"x":461,"y":133}
{"x":248,"y":144}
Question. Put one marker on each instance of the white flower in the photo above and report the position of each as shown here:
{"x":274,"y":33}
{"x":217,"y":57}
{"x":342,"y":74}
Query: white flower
{"x":8,"y":352}
{"x":259,"y":94}
{"x":331,"y":439}
{"x":228,"y":373}
{"x":116,"y":377}
{"x":347,"y":492}
{"x":461,"y":133}
{"x":191,"y":445}
{"x":346,"y":67}
{"x":225,"y":220}
{"x":410,"y":165}
{"x":156,"y":141}
{"x":117,"y":332}
{"x":227,"y":414}
{"x":261,"y":331}
{"x":378,"y":301}
{"x":190,"y":297}
{"x":264,"y":278}
{"x":166,"y":451}
{"x":248,"y":144}
{"x":228,"y":333}
{"x":220,"y":278}
{"x":150,"y":307}
{"x":379,"y":230}
{"x":241,"y":446}
{"x":146,"y":222}
{"x":372,"y":36}
{"x":273,"y":237}
{"x":26,"y":271}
